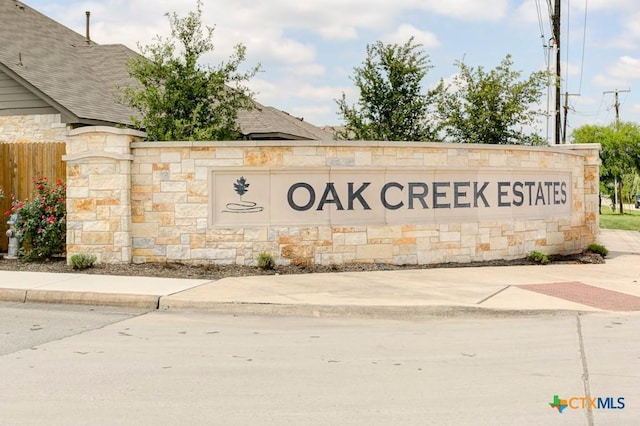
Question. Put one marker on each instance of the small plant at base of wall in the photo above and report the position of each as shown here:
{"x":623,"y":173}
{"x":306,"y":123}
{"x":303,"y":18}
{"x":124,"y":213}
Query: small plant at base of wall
{"x":538,"y":257}
{"x":266,"y":261}
{"x":598,"y":248}
{"x":82,"y":261}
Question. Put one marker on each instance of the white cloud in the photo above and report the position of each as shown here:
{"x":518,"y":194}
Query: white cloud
{"x":304,"y":70}
{"x":470,"y":10}
{"x":405,"y":31}
{"x":528,"y":13}
{"x":626,"y":67}
{"x":315,"y":114}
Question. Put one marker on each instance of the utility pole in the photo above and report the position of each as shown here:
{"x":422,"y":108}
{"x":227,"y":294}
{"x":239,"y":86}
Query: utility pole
{"x":566,"y":109}
{"x":556,"y":38}
{"x":617,"y":185}
{"x":617,"y":103}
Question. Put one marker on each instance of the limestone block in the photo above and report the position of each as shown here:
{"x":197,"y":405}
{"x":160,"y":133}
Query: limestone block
{"x":437,"y":158}
{"x":555,"y":238}
{"x":305,"y":151}
{"x":303,"y":161}
{"x":121,"y":239}
{"x":405,"y":249}
{"x":108,"y":182}
{"x":229,"y":152}
{"x":330,"y":259}
{"x":217,"y":254}
{"x":167,"y":156}
{"x":173,"y":186}
{"x":380,"y":232}
{"x":83,"y":205}
{"x":96,"y":226}
{"x":408,"y":259}
{"x":468,"y":241}
{"x":309,"y":234}
{"x":382,"y":252}
{"x":340,"y":162}
{"x":355,"y":238}
{"x":450,"y":236}
{"x":169,"y":198}
{"x":263,"y":158}
{"x":363,"y":158}
{"x":255,"y":234}
{"x":145,"y":230}
{"x":179,"y":252}
{"x":469,"y":228}
{"x":499,"y":243}
{"x":97,"y":238}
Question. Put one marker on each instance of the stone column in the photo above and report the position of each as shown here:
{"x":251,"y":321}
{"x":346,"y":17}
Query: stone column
{"x":591,"y":183}
{"x":99,"y":163}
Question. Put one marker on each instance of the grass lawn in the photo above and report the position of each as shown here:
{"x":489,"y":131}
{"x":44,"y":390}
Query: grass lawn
{"x":630,"y":220}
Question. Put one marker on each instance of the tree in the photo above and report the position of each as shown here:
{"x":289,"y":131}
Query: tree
{"x":619,"y":153}
{"x":180,"y":99}
{"x":391,"y":106}
{"x":490,"y":107}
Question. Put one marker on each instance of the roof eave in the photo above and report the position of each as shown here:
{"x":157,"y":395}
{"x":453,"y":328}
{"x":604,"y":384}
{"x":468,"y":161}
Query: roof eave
{"x":66,"y":115}
{"x":275,"y":135}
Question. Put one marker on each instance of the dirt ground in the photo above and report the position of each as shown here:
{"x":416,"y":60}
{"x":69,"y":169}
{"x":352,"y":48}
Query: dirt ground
{"x":214,"y":272}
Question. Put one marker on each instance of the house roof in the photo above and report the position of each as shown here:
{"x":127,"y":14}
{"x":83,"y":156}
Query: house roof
{"x":265,"y":122}
{"x":74,"y":76}
{"x":81,"y":79}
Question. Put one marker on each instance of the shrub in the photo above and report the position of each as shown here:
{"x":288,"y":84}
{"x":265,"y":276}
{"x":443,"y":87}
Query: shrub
{"x":82,"y":260}
{"x":266,"y":261}
{"x":599,"y":249}
{"x":538,"y":257}
{"x":41,"y":225}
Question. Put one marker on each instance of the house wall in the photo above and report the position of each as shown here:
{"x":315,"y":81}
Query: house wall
{"x":32,"y":128}
{"x":15,"y":99}
{"x":133,"y":201}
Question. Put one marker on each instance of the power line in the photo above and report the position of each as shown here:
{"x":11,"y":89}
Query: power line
{"x":542,"y":36}
{"x":566,"y":46}
{"x":584,"y":42}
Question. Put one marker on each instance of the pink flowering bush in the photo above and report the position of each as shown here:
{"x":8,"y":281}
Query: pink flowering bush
{"x":41,"y":225}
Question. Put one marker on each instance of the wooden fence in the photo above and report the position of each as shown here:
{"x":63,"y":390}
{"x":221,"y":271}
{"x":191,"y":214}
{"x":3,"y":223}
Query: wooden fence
{"x":20,"y":163}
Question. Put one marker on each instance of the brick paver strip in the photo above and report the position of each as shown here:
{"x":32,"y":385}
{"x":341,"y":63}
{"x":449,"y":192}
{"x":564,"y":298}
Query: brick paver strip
{"x":587,"y":295}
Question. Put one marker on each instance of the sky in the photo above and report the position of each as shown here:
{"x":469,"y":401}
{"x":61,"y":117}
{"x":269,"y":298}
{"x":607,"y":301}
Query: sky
{"x":308,"y":49}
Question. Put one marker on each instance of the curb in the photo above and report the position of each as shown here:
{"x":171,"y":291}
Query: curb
{"x":13,"y":295}
{"x":354,"y":311}
{"x":141,"y":301}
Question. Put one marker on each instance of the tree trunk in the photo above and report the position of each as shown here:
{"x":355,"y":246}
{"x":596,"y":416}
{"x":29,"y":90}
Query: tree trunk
{"x":620,"y":195}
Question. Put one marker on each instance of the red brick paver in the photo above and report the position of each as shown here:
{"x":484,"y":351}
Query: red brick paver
{"x":587,"y":295}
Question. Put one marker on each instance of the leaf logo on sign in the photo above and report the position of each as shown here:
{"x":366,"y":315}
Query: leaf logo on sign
{"x":241,"y":187}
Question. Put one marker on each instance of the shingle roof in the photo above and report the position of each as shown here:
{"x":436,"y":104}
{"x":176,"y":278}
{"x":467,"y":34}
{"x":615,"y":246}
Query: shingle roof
{"x":82,"y":79}
{"x":60,"y":65}
{"x":265,"y":122}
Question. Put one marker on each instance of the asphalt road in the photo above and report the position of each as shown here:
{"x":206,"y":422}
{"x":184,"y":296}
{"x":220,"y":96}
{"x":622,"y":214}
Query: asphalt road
{"x":63,"y":365}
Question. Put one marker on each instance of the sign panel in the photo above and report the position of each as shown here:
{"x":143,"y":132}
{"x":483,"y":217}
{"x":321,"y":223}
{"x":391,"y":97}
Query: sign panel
{"x":377,"y":196}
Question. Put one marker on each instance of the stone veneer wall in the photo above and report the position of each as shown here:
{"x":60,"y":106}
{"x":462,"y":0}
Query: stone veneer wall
{"x":134,"y":201}
{"x":32,"y":128}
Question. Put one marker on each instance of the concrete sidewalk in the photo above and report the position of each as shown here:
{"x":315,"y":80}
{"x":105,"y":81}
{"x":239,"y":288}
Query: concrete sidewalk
{"x":613,"y":286}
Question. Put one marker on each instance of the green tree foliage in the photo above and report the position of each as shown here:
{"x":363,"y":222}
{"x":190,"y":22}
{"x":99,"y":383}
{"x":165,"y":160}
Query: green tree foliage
{"x":391,"y":106}
{"x":494,"y":106}
{"x":619,"y":154}
{"x":180,"y":99}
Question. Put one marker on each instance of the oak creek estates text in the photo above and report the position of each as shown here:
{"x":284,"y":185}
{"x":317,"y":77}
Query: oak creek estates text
{"x":303,"y":196}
